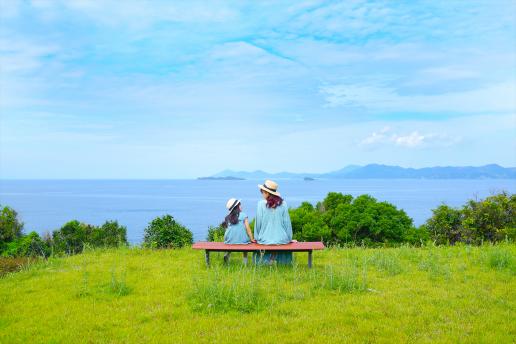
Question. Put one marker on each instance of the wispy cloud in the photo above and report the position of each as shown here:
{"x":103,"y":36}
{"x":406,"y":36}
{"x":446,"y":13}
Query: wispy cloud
{"x":411,"y":139}
{"x":166,"y":79}
{"x":497,"y":98}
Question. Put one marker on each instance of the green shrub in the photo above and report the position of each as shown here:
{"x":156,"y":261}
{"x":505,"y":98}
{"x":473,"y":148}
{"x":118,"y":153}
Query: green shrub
{"x":164,"y":232}
{"x":492,"y":219}
{"x":216,"y":233}
{"x":30,"y":245}
{"x":340,"y":219}
{"x":110,"y":234}
{"x":10,"y":226}
{"x":417,"y":235}
{"x":72,"y":237}
{"x":445,"y":226}
{"x":75,"y":235}
{"x":308,"y":224}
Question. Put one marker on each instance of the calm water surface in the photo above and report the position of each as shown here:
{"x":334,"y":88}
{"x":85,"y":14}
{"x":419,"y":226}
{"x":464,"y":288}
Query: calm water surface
{"x":46,"y":205}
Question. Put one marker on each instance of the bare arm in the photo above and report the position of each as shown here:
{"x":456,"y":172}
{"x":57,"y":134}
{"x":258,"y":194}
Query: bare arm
{"x":248,"y":229}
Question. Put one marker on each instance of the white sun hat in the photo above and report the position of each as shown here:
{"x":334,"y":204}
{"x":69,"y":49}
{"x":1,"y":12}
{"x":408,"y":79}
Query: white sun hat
{"x":270,"y":187}
{"x":232,"y":203}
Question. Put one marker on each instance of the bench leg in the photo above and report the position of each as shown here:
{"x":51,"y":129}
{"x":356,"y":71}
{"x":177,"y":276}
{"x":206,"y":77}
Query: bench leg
{"x":310,"y":259}
{"x":207,"y":257}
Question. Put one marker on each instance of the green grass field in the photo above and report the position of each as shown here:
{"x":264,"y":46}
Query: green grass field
{"x":431,"y":294}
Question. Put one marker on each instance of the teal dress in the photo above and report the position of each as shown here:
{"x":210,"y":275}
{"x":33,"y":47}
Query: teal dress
{"x":236,"y":234}
{"x":273,"y":227}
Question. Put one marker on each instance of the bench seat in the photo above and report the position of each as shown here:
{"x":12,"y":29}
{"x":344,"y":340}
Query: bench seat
{"x":290,"y":247}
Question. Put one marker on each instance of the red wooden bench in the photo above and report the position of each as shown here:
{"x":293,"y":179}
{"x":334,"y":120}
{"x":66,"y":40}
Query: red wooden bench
{"x":291,"y":247}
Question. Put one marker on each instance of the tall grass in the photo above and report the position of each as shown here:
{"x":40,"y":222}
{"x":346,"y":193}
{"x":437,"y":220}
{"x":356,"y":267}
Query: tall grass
{"x":228,"y":289}
{"x":500,"y":258}
{"x":405,"y":294}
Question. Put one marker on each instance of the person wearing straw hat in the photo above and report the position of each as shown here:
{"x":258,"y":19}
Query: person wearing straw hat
{"x":273,"y":226}
{"x":237,"y":227}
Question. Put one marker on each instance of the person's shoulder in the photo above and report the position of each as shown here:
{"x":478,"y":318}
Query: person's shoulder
{"x":284,"y":204}
{"x":242,"y":215}
{"x":261,"y":203}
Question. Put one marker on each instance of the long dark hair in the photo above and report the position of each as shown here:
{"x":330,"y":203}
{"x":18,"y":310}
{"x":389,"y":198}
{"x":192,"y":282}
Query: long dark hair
{"x":274,"y":201}
{"x":232,"y":217}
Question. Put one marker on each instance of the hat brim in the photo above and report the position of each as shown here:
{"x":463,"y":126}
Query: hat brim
{"x":275,"y":193}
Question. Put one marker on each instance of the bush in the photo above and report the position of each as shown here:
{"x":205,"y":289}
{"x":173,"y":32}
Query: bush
{"x":75,"y":235}
{"x":340,"y":219}
{"x":110,"y":234}
{"x":216,"y":233}
{"x":72,"y":237}
{"x":30,"y":245}
{"x":10,"y":227}
{"x":445,"y":226}
{"x":492,"y":219}
{"x":164,"y":232}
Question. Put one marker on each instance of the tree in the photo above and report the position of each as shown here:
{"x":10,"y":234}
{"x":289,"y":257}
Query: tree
{"x":110,"y":234}
{"x":340,"y":219}
{"x":71,"y":237}
{"x":165,"y":232}
{"x":491,"y":219}
{"x":10,"y":226}
{"x":29,"y":245}
{"x":445,"y":226}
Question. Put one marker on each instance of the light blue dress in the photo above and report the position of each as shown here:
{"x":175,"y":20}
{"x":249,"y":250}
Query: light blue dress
{"x":236,"y":234}
{"x":273,"y":227}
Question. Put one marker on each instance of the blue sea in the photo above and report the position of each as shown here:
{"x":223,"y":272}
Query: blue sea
{"x":45,"y":205}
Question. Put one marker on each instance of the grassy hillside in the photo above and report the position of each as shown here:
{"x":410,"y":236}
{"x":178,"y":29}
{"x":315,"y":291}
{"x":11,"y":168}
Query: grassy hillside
{"x":445,"y":294}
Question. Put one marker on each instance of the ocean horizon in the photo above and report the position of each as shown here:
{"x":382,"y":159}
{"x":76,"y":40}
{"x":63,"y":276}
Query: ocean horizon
{"x":45,"y":205}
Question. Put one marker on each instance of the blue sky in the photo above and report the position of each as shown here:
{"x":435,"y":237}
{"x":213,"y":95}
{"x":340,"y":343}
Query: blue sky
{"x":157,"y":89}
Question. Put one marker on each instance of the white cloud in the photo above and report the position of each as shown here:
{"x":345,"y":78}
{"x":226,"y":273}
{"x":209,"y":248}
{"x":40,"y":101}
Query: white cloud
{"x":412,"y":139}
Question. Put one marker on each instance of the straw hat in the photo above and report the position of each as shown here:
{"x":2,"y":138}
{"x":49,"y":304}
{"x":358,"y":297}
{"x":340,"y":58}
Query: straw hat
{"x":232,"y":203}
{"x":270,"y":187}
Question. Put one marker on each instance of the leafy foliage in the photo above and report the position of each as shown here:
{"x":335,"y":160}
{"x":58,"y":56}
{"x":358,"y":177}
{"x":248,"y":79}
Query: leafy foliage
{"x":110,"y":234}
{"x":216,"y":233}
{"x":164,"y":232}
{"x":10,"y":226}
{"x":340,"y":219}
{"x":30,"y":245}
{"x":75,"y":235}
{"x":492,"y":219}
{"x":71,"y":237}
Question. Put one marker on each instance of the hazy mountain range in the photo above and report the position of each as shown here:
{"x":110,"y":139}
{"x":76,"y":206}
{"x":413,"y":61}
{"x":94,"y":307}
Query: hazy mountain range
{"x":376,"y":171}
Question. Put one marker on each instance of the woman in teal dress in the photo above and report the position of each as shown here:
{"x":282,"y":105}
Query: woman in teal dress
{"x":237,"y":227}
{"x":273,"y":226}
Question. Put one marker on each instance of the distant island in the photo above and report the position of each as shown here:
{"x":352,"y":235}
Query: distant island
{"x":377,"y":171}
{"x":221,"y":178}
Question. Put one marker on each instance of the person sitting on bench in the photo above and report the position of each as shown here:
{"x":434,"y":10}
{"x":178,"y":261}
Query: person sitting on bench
{"x":273,"y":226}
{"x":237,"y":227}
